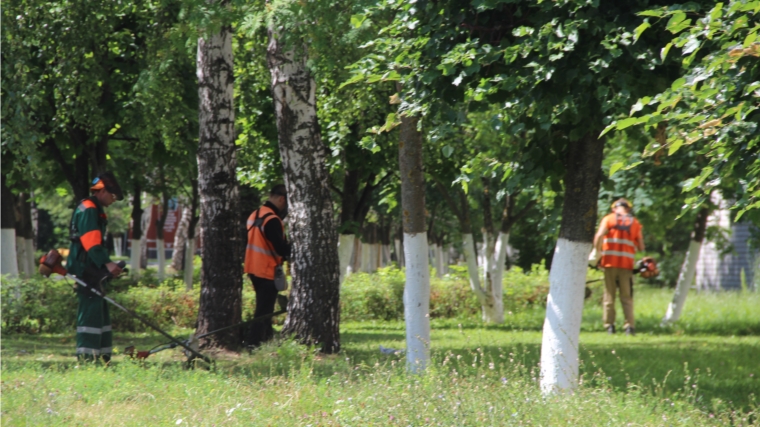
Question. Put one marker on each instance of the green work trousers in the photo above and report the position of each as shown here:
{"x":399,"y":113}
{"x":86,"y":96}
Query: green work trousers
{"x":94,"y":336}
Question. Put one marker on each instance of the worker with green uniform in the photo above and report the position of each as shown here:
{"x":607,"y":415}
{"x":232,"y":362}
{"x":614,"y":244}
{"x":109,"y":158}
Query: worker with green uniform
{"x":89,"y":260}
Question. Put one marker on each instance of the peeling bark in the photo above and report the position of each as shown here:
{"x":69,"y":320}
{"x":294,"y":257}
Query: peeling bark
{"x":313,"y":308}
{"x":223,"y":232}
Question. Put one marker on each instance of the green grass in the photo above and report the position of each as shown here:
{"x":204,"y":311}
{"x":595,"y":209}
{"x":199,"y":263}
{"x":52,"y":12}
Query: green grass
{"x":703,"y":371}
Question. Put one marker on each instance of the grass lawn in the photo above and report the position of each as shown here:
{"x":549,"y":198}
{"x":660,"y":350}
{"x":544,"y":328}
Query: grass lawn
{"x":703,"y":371}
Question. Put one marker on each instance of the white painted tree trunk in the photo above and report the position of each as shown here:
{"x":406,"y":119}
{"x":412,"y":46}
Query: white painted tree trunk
{"x":146,"y":219}
{"x":30,"y":258}
{"x":386,"y":255}
{"x":21,"y":257}
{"x":417,"y":301}
{"x":9,"y":263}
{"x":399,"y":253}
{"x":366,"y":253}
{"x":472,"y":270}
{"x":564,"y":305}
{"x":439,"y":261}
{"x":134,"y":258}
{"x":161,"y":258}
{"x":188,"y":268}
{"x":345,"y":249}
{"x":117,"y":246}
{"x":494,"y":280}
{"x":685,"y":279}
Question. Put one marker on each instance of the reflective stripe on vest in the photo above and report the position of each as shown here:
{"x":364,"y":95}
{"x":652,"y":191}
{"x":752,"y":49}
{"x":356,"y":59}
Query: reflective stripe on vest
{"x":260,"y":257}
{"x":618,"y":248}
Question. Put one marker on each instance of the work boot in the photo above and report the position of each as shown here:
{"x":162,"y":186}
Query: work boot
{"x":630,"y":331}
{"x":611,"y":329}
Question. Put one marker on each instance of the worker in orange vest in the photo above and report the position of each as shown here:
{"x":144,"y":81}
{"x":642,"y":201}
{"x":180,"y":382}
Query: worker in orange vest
{"x":618,"y":238}
{"x":265,"y":252}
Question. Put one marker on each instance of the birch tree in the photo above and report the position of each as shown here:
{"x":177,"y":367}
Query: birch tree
{"x":313,"y":308}
{"x":222,"y":229}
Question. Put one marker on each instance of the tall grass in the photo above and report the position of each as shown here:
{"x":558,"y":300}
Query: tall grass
{"x":705,"y":370}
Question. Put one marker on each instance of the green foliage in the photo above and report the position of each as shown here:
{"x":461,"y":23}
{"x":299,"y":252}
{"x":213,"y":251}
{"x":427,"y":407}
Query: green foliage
{"x":712,"y":106}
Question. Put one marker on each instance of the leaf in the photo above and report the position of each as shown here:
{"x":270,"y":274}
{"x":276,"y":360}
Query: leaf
{"x":696,"y":182}
{"x":664,"y":51}
{"x":675,"y":22}
{"x":357,"y":20}
{"x":749,"y":39}
{"x":626,"y":123}
{"x":633,"y":165}
{"x":677,"y":84}
{"x":691,"y":46}
{"x":640,"y":29}
{"x":447,"y":151}
{"x":615,"y":167}
{"x":674,"y":146}
{"x":655,"y":13}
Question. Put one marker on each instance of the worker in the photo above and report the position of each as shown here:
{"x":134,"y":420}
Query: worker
{"x":89,"y":260}
{"x":265,"y":253}
{"x":618,"y":238}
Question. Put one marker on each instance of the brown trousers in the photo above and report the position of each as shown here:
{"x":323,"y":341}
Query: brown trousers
{"x":615,"y":278}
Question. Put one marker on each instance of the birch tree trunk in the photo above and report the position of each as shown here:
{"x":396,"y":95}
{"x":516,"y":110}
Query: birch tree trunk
{"x":567,"y":278}
{"x":417,"y":289}
{"x":180,"y":237}
{"x":188,"y":269}
{"x":222,"y":230}
{"x":345,"y":249}
{"x":313,"y":308}
{"x":688,"y":269}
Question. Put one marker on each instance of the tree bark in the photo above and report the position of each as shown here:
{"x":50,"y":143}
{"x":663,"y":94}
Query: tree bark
{"x":9,"y":261}
{"x":567,"y":278}
{"x":137,"y":213}
{"x":345,"y":249}
{"x":417,"y":289}
{"x":160,"y":249}
{"x":223,"y":232}
{"x":313,"y":308}
{"x":688,"y":269}
{"x":25,"y":254}
{"x":180,"y":237}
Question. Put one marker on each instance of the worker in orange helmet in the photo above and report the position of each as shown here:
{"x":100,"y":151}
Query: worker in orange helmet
{"x":618,"y":238}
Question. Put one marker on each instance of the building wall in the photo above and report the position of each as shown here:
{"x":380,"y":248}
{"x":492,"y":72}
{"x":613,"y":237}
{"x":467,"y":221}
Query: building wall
{"x":722,"y":263}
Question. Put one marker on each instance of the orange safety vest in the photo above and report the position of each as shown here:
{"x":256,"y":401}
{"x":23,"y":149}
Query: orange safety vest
{"x":260,"y":256}
{"x":618,"y":247}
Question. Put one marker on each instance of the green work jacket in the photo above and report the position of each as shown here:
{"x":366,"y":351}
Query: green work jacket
{"x":88,"y":230}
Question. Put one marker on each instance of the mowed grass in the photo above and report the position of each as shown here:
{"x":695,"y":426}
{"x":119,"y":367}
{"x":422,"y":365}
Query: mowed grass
{"x":703,"y":371}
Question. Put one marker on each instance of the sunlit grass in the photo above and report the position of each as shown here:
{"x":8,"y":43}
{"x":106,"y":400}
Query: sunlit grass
{"x":702,"y":371}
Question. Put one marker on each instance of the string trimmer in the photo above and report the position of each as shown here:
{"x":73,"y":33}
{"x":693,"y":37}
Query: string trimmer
{"x":52,"y":263}
{"x":282,"y":301}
